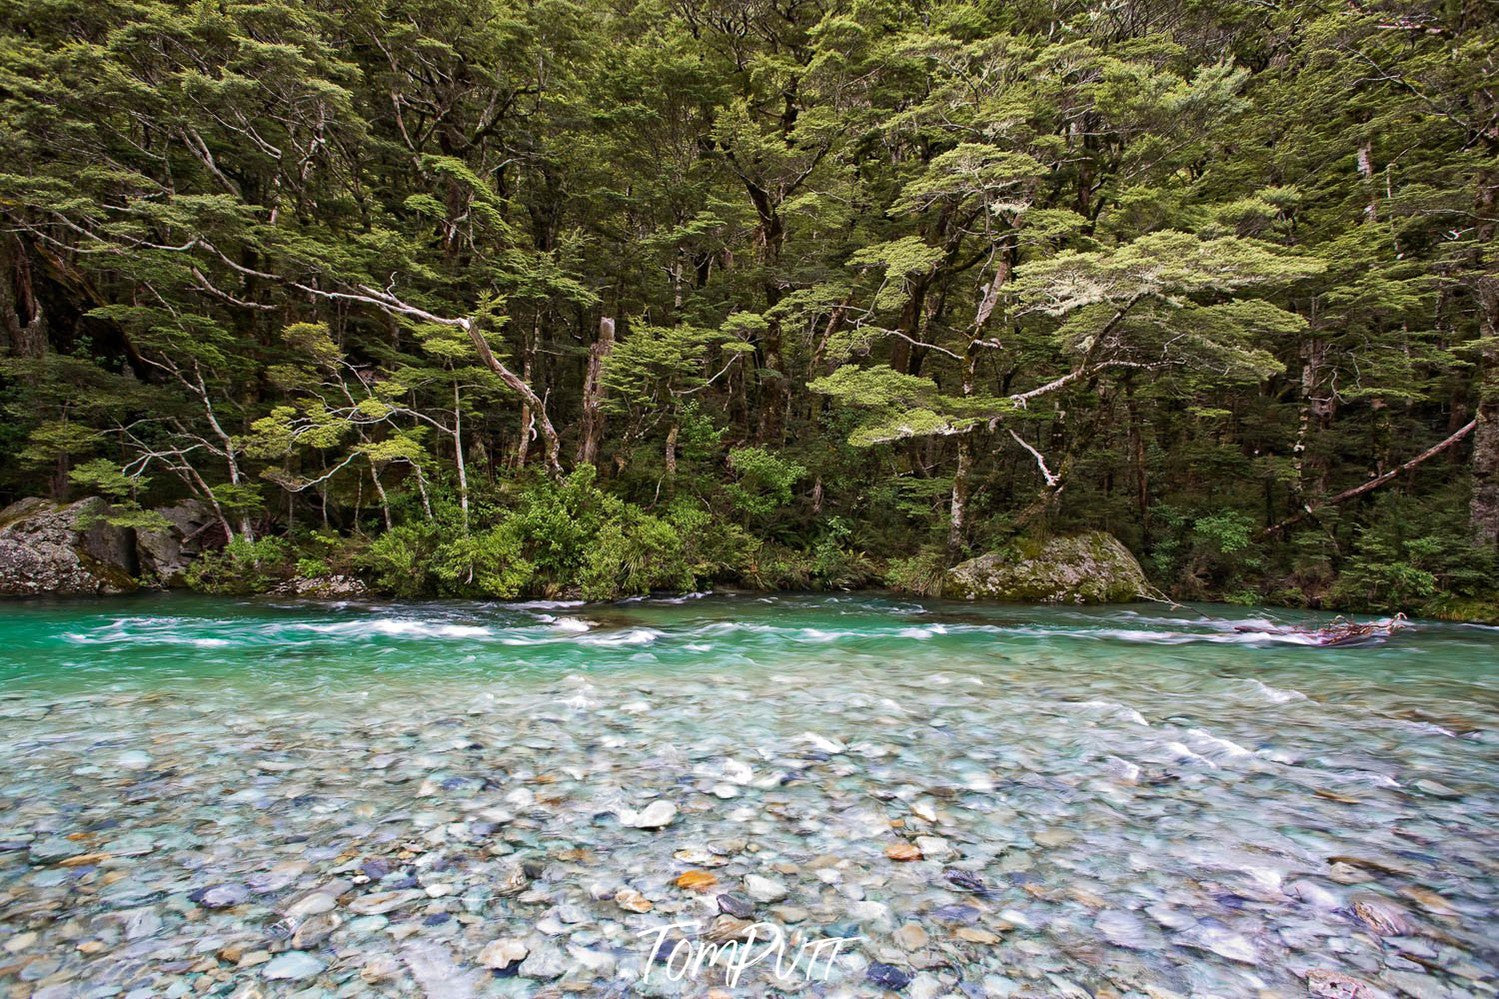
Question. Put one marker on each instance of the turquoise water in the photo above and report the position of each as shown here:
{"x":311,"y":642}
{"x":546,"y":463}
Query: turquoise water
{"x":1128,"y":801}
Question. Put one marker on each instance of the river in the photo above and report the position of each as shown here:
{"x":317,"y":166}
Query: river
{"x":205,"y":796}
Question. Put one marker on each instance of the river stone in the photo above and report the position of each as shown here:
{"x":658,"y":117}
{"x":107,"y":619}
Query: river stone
{"x":379,"y":968}
{"x":887,"y":976}
{"x":734,"y":904}
{"x":380,"y":902}
{"x":164,"y":555}
{"x":221,"y":896}
{"x":911,"y":936}
{"x":311,"y":905}
{"x":133,"y":759}
{"x":314,"y":931}
{"x":656,"y":815}
{"x":1089,"y":568}
{"x":50,"y":851}
{"x":294,"y":965}
{"x":545,"y":961}
{"x":763,"y":889}
{"x":1336,"y":985}
{"x":1381,"y":915}
{"x":331,"y":587}
{"x":502,"y":954}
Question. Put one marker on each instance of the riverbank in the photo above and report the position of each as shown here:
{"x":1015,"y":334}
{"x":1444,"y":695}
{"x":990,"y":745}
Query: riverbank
{"x":576,"y":542}
{"x":467,"y":799}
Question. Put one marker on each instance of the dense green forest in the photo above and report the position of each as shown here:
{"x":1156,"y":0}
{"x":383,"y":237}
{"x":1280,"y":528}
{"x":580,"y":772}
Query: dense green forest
{"x":502,"y":298}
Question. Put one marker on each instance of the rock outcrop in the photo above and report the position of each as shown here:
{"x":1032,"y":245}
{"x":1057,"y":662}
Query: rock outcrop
{"x":1089,"y":568}
{"x":72,"y":550}
{"x":64,"y":549}
{"x":165,"y":554}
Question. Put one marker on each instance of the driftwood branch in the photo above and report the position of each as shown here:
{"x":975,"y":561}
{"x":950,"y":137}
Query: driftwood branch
{"x":1375,"y":482}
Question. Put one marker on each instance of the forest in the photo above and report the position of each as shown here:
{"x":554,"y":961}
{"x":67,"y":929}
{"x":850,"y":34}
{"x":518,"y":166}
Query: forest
{"x":513,"y":298}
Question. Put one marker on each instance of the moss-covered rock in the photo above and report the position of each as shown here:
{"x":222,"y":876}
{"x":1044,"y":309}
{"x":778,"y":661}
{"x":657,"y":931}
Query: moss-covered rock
{"x":51,"y":548}
{"x":1090,"y":568}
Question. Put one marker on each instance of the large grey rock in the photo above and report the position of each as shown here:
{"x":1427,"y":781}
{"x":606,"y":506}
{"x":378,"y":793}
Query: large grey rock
{"x":65,"y":549}
{"x":1090,"y":568}
{"x":165,"y":554}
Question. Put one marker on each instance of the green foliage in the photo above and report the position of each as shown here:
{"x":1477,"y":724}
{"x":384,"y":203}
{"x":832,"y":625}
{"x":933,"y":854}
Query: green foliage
{"x":920,"y":575}
{"x":763,"y":481}
{"x":397,"y":562}
{"x":1227,"y":532}
{"x":1407,"y":556}
{"x":58,"y":439}
{"x":105,"y":478}
{"x":635,"y":554}
{"x":488,"y":564}
{"x":312,"y":568}
{"x":243,"y":567}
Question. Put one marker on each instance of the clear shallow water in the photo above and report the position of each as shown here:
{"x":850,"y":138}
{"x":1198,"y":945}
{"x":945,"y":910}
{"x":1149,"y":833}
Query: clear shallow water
{"x":1123,"y":801}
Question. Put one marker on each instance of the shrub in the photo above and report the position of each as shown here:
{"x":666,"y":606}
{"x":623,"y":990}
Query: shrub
{"x":764,"y":481}
{"x":1225,"y":533}
{"x":776,"y":567}
{"x":396,"y":562}
{"x":713,"y":549}
{"x":489,"y":564}
{"x":242,"y":567}
{"x":920,"y":575}
{"x":635,"y":554}
{"x":837,"y":566}
{"x":312,"y":568}
{"x":1408,"y":554}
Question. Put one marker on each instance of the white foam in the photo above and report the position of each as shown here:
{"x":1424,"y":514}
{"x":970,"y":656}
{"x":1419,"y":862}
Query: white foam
{"x":394,"y":627}
{"x":1210,"y":743}
{"x":1276,"y":695}
{"x":1117,"y":710}
{"x":634,"y":636}
{"x":819,"y":635}
{"x":922,"y":632}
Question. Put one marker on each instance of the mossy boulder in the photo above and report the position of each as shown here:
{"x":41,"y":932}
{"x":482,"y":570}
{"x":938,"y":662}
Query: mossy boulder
{"x":70,"y":550}
{"x":166,"y":552}
{"x":1090,"y":568}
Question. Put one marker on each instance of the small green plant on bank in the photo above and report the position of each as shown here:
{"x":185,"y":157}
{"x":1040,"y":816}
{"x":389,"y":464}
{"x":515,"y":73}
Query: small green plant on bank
{"x":243,"y":567}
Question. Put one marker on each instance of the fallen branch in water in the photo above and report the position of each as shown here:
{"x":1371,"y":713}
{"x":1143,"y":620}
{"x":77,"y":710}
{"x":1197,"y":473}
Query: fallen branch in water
{"x":1375,"y":482}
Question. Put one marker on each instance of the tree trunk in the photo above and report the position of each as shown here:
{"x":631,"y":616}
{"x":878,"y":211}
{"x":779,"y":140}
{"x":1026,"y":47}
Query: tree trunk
{"x":459,"y":461}
{"x":1365,"y":161}
{"x":1376,"y":481}
{"x":775,"y":396}
{"x":671,"y":451}
{"x":960,"y":493}
{"x":1137,"y":454}
{"x":532,"y":406}
{"x":23,"y":326}
{"x":1484,"y":509}
{"x":1311,"y":474}
{"x":592,"y":430}
{"x":380,"y":492}
{"x":961,"y":485}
